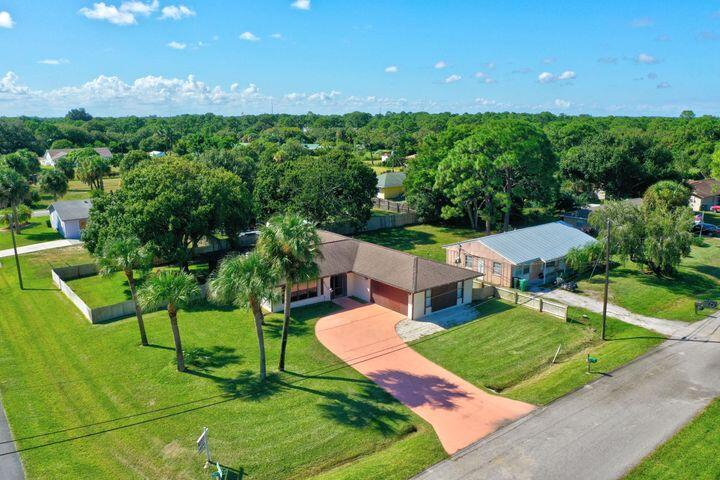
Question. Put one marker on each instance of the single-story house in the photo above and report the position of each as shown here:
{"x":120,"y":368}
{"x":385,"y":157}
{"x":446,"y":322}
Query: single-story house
{"x":404,"y":283}
{"x":579,"y":218}
{"x":705,"y":194}
{"x":51,"y":156}
{"x":69,"y":217}
{"x":391,"y":185}
{"x":156,"y":154}
{"x":534,"y":253}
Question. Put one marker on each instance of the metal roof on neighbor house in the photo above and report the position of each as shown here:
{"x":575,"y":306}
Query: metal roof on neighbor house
{"x":61,"y":152}
{"x":391,"y":179}
{"x":72,"y":209}
{"x":408,"y":272}
{"x":545,"y":242}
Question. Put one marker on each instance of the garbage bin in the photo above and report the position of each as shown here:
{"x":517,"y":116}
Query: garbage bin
{"x":515,"y":282}
{"x":523,"y":284}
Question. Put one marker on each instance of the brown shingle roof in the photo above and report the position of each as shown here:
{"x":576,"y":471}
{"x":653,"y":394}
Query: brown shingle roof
{"x":342,"y":254}
{"x":705,"y":188}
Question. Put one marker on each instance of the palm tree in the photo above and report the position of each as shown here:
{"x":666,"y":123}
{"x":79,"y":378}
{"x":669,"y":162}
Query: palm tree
{"x":292,"y":244}
{"x":172,"y":289}
{"x":126,"y":255}
{"x":245,"y":280}
{"x":14,"y":189}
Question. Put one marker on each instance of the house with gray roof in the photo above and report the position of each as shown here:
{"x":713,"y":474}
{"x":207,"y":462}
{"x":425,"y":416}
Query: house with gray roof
{"x":536,"y":254}
{"x":69,"y":217}
{"x":391,"y":185}
{"x":396,"y":280}
{"x":52,"y":156}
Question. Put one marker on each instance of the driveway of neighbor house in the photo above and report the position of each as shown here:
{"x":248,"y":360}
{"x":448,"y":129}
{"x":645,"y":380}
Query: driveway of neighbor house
{"x":607,"y":427}
{"x":364,"y":337}
{"x":39,"y":247}
{"x":669,"y":328}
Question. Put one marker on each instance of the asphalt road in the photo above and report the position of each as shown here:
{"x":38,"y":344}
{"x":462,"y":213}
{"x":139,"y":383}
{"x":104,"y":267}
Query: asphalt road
{"x":607,"y":427}
{"x":10,"y":466}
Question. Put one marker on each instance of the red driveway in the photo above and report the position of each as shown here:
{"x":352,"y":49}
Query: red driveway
{"x":364,"y":337}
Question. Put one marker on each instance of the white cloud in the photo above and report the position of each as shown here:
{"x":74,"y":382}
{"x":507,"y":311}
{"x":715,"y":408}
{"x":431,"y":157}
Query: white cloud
{"x":317,"y":97}
{"x":391,"y":69}
{"x":276,"y":36}
{"x":646,"y":59}
{"x":642,"y":22}
{"x":249,"y":37}
{"x":54,"y":61}
{"x":663,"y":85}
{"x":452,"y":78}
{"x":6,"y":20}
{"x":547,"y":77}
{"x":140,"y":8}
{"x":10,"y":87}
{"x":176,"y":12}
{"x":440,"y":64}
{"x":560,"y":103}
{"x":484,"y":77}
{"x":109,"y":13}
{"x":177,"y":45}
{"x":301,"y":4}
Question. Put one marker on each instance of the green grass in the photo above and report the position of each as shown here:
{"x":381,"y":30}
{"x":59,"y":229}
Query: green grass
{"x":77,"y":191}
{"x":509,"y":350}
{"x":422,"y":240}
{"x":698,"y":277}
{"x":376,"y":212}
{"x":691,"y":453}
{"x":36,"y":231}
{"x":98,"y":291}
{"x":86,"y":401}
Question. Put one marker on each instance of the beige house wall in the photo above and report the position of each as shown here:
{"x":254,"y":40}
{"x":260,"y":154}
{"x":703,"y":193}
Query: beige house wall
{"x":481,"y":253}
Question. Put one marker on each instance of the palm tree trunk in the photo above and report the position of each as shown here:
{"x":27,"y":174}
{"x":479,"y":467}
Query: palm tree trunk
{"x":286,"y":326}
{"x":257,"y":313}
{"x":138,"y":310}
{"x":17,"y":259}
{"x":172,"y":313}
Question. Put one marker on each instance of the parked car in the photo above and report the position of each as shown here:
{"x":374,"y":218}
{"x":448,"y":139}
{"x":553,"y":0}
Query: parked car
{"x":715,"y":208}
{"x":707,"y":229}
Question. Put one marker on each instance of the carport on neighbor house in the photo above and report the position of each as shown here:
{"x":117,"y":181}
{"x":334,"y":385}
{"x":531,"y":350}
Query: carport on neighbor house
{"x":404,"y":283}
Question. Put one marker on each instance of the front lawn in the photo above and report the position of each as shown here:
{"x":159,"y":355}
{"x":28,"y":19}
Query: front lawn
{"x":671,"y":298}
{"x":509,"y":350}
{"x":422,"y":240}
{"x":77,"y":190}
{"x":36,"y":231}
{"x":691,"y":453}
{"x":86,"y":401}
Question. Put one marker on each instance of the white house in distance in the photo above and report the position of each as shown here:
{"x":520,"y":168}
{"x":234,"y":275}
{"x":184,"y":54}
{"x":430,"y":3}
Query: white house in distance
{"x":705,"y":194}
{"x":51,"y":156}
{"x":69,"y":217}
{"x":401,"y":282}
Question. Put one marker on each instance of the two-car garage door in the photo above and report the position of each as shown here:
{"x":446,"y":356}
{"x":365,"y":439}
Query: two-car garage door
{"x":389,"y":297}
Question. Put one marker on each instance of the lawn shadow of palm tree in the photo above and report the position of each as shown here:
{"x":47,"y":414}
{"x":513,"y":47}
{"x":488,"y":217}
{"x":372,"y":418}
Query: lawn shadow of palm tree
{"x":367,"y":409}
{"x":298,"y":327}
{"x":207,"y":359}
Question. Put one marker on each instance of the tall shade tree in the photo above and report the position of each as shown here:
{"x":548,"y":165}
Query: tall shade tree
{"x":292,"y":245}
{"x":14,"y":189}
{"x":244,"y":281}
{"x":127,"y":254}
{"x":53,"y":182}
{"x":173,"y":290}
{"x":91,"y":168}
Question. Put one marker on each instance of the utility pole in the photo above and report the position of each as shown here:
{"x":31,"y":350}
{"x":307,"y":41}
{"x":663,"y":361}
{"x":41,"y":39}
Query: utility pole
{"x":13,"y":225}
{"x":607,"y":276}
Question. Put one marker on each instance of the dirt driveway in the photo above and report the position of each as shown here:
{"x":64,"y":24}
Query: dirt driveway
{"x":363,"y":336}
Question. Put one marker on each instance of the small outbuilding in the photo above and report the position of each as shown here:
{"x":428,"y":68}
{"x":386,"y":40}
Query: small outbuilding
{"x":391,"y":185}
{"x":69,"y":217}
{"x":536,"y":254}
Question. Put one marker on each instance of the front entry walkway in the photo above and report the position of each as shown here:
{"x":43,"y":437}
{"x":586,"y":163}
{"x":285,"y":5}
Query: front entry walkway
{"x":364,"y":337}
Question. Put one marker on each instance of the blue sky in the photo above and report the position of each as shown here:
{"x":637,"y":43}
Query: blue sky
{"x":248,"y":56}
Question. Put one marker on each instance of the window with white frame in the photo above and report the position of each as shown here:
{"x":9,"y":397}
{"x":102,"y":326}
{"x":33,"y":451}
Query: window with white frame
{"x":469,"y":260}
{"x":497,"y":268}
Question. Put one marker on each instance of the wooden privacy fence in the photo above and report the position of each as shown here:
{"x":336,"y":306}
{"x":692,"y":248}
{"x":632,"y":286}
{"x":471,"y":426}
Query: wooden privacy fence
{"x":528,"y":300}
{"x":391,"y":206}
{"x":377,"y":222}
